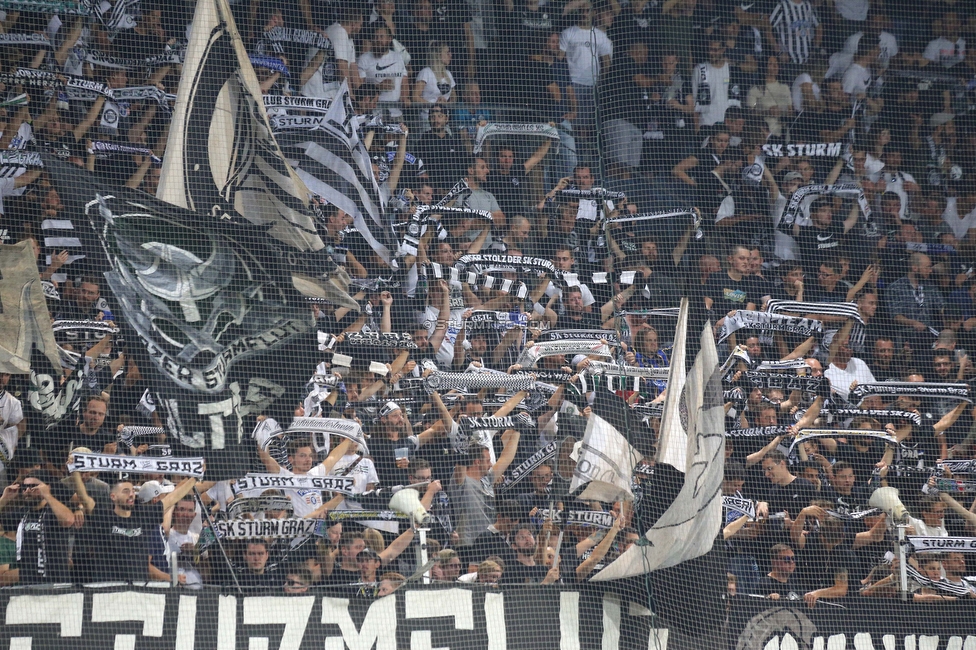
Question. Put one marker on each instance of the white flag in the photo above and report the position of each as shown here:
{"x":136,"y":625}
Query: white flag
{"x":693,"y":520}
{"x":673,"y":441}
{"x":606,"y":462}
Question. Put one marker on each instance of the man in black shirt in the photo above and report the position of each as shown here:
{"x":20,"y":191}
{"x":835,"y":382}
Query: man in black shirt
{"x":788,"y":493}
{"x":255,"y":573}
{"x":824,"y":237}
{"x":725,"y":292}
{"x":42,"y":544}
{"x":507,"y":180}
{"x":441,"y":150}
{"x":574,"y":315}
{"x":780,"y":581}
{"x":525,"y":569}
{"x":497,"y":539}
{"x":89,"y":430}
{"x":121,"y":529}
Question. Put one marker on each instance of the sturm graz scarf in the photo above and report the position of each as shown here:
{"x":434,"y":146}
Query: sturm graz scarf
{"x":297,"y":103}
{"x":503,"y":285}
{"x":911,"y":389}
{"x":381,"y":340}
{"x":443,"y":381}
{"x":515,"y":475}
{"x":810,"y":434}
{"x":960,"y":590}
{"x":300,"y":36}
{"x":842,"y":309}
{"x":609,"y":336}
{"x":922,"y":544}
{"x":780,"y":380}
{"x":521,"y":130}
{"x":128,"y":434}
{"x":341,"y":484}
{"x":21,"y":40}
{"x":274,"y":528}
{"x":482,"y":319}
{"x":102,"y":149}
{"x":958,"y":466}
{"x":769,"y":322}
{"x":758,"y":432}
{"x":19,"y":158}
{"x":366,"y":515}
{"x":483,"y":261}
{"x":136,"y":464}
{"x":531,"y":355}
{"x":65,"y":8}
{"x":738,"y":504}
{"x":851,"y":190}
{"x":882,"y":415}
{"x":595,"y":194}
{"x":297,"y":122}
{"x":593,"y":518}
{"x":241,"y":506}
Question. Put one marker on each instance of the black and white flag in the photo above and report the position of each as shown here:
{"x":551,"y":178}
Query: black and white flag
{"x":333,"y":163}
{"x":221,"y":157}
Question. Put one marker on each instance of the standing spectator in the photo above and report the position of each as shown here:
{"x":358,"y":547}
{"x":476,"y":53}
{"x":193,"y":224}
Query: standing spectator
{"x":181,"y":541}
{"x":772,"y":99}
{"x":478,"y":198}
{"x":301,"y":456}
{"x":121,"y":529}
{"x":948,"y":48}
{"x":788,"y":493}
{"x":846,"y":369}
{"x":473,"y":489}
{"x":798,"y":30}
{"x":915,"y":303}
{"x":712,"y":85}
{"x":727,"y":291}
{"x":507,"y":180}
{"x":588,"y":53}
{"x":670,"y":112}
{"x":824,"y":237}
{"x":255,"y":573}
{"x":435,"y":83}
{"x":441,"y":150}
{"x":383,"y":66}
{"x":12,"y":423}
{"x":42,"y":542}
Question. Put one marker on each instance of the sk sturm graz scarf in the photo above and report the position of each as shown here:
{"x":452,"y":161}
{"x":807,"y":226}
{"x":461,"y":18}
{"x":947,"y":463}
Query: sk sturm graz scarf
{"x":894,"y":389}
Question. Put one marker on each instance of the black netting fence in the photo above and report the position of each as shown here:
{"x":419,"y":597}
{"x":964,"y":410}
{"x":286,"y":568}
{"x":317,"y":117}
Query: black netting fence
{"x":487,"y":324}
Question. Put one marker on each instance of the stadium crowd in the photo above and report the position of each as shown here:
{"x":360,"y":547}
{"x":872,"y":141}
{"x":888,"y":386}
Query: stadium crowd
{"x":734,"y":108}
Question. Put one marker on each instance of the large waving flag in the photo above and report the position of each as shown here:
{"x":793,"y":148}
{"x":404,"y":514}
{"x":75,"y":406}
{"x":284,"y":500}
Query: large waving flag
{"x":691,"y":523}
{"x":334,"y":163}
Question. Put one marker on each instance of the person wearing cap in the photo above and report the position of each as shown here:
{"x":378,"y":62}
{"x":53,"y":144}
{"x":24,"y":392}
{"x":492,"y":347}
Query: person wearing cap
{"x":42,"y":541}
{"x":12,"y":423}
{"x":152,"y":492}
{"x":392,"y":443}
{"x":121,"y":528}
{"x":473,"y":488}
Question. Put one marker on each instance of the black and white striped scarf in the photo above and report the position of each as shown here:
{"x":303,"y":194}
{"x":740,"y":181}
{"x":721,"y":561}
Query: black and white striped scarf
{"x":843,"y":309}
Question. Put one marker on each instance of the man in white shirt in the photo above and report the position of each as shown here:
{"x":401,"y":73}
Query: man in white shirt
{"x":12,"y":423}
{"x":846,"y":370}
{"x":588,"y":54}
{"x":712,"y":87}
{"x":317,"y":79}
{"x":960,"y":213}
{"x":301,"y":455}
{"x":383,"y":66}
{"x":949,"y":49}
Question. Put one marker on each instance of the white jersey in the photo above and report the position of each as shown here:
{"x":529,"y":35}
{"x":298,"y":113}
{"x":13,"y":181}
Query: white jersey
{"x":378,"y":69}
{"x":714,"y":92}
{"x":944,"y":51}
{"x":11,"y":414}
{"x":305,"y":501}
{"x":795,"y":26}
{"x":445,"y":355}
{"x":583,"y":48}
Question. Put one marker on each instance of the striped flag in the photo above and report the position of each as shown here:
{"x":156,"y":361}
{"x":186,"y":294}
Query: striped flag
{"x":334,"y":163}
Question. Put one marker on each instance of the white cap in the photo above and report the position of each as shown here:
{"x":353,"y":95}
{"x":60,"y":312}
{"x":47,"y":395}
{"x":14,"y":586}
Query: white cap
{"x":152,"y":489}
{"x":388,"y":408}
{"x":577,"y":359}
